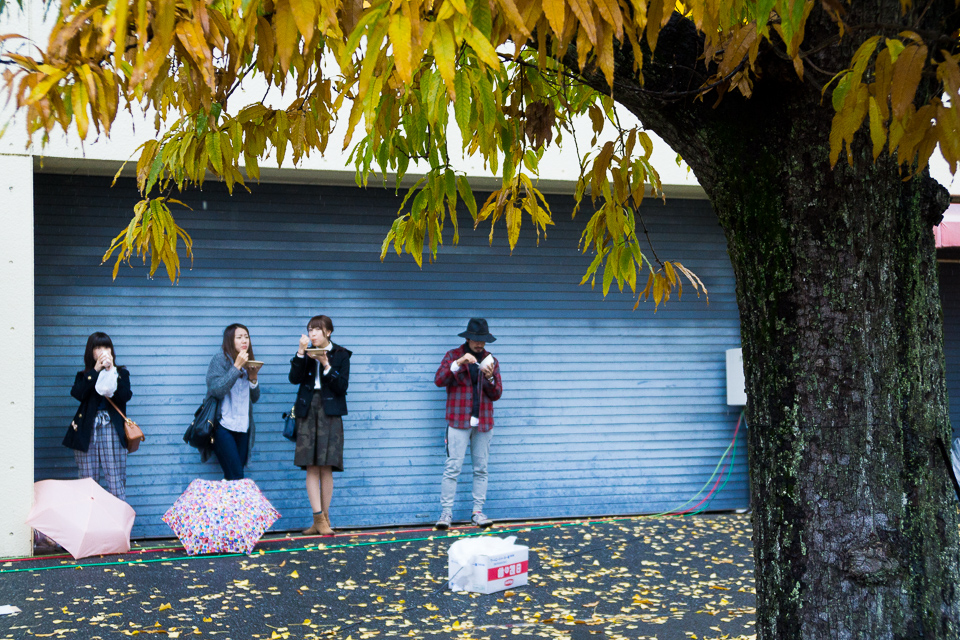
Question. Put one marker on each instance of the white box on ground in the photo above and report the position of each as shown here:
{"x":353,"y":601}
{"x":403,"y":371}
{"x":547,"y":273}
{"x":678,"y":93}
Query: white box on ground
{"x":487,"y":564}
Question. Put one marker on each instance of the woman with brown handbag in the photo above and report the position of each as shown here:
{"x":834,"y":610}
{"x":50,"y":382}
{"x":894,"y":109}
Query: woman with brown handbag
{"x":96,"y":433}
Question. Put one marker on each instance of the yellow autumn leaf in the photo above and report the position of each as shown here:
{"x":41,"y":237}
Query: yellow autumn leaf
{"x":484,"y":50}
{"x":285,"y":27}
{"x":737,"y":48}
{"x":78,"y":98}
{"x":584,"y":12}
{"x":399,"y":33}
{"x":510,"y":9}
{"x":610,"y":11}
{"x":907,"y":72}
{"x":305,"y":15}
{"x":120,"y":36}
{"x":555,"y":11}
{"x":878,"y":132}
{"x":46,"y":84}
{"x":445,"y":53}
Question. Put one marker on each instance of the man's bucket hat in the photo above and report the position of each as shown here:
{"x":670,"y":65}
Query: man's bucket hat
{"x":477,"y":330}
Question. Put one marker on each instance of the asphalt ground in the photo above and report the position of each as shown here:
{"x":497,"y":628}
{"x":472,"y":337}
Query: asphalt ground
{"x":668,"y":578}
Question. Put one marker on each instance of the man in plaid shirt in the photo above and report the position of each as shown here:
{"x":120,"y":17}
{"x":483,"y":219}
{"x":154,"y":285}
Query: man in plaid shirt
{"x":472,"y":378}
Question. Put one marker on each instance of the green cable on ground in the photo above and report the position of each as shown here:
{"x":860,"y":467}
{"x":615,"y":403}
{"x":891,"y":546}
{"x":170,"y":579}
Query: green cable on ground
{"x":733,"y":457}
{"x":128,"y":563}
{"x":671,"y":512}
{"x":705,"y":485}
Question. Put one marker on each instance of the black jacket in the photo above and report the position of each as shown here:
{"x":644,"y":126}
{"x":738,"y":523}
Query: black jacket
{"x":84,"y":390}
{"x":333,"y":386}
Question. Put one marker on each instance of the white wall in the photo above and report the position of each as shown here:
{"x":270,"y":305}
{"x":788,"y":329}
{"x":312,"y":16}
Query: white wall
{"x":16,"y":345}
{"x":16,"y":319}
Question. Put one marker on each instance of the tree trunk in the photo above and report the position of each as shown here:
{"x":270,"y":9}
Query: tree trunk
{"x":854,"y":518}
{"x":855,"y":521}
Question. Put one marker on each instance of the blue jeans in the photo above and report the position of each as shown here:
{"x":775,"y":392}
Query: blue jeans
{"x":231,"y":449}
{"x":457,"y":440}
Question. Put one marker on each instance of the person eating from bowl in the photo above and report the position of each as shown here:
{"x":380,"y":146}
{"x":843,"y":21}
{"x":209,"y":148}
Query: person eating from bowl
{"x":471,"y":376}
{"x":322,"y":369}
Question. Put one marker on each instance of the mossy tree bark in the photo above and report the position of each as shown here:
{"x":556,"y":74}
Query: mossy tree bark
{"x":856,"y":528}
{"x":855,"y":522}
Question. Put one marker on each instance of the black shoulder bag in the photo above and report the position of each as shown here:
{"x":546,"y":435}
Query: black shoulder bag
{"x":207,"y":418}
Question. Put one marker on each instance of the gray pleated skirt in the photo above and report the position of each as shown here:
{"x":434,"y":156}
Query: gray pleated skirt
{"x":319,"y":438}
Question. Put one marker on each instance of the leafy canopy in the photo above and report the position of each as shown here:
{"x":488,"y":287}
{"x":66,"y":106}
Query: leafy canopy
{"x":397,"y":70}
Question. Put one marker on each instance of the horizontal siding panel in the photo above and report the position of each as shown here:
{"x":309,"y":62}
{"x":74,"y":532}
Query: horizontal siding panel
{"x":605,"y":410}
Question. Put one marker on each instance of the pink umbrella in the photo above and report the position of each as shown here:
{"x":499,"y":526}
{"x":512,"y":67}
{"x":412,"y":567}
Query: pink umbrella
{"x":81,"y":517}
{"x":220,"y":516}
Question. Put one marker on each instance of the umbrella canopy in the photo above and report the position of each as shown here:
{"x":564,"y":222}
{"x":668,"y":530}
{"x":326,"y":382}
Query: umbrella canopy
{"x":81,"y":516}
{"x":220,"y":516}
{"x":947,"y":234}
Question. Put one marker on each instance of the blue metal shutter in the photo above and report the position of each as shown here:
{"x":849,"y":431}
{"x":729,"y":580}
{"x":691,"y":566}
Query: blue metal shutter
{"x":605,"y":410}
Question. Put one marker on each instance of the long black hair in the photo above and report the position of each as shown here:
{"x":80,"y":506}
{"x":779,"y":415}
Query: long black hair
{"x":228,"y":334}
{"x":97,"y":339}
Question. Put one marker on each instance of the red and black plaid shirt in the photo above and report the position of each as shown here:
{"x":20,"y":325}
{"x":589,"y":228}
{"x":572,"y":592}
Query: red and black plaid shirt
{"x":460,"y":392}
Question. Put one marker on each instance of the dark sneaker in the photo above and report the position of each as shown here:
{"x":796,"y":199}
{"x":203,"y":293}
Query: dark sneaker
{"x":446,"y":517}
{"x":481,"y":520}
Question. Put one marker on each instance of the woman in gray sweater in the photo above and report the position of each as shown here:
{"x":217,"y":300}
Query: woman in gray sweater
{"x":234,"y":383}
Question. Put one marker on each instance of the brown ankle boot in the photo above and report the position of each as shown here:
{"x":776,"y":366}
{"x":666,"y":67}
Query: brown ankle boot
{"x":317,"y":525}
{"x":324,"y":525}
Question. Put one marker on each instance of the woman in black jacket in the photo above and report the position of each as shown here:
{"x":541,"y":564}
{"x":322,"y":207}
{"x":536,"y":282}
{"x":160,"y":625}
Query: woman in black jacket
{"x":96,"y":434}
{"x":322,"y":369}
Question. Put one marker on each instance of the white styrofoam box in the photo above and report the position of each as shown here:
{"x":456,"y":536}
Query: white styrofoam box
{"x":487,"y":564}
{"x":502,"y":571}
{"x":736,"y":383}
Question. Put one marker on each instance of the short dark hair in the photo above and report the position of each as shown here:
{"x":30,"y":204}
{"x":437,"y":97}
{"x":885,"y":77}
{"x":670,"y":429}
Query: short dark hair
{"x":228,"y":334}
{"x":320,"y":322}
{"x":96,"y":340}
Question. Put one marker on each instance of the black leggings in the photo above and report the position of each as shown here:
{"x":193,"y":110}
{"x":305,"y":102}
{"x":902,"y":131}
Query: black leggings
{"x":231,"y":449}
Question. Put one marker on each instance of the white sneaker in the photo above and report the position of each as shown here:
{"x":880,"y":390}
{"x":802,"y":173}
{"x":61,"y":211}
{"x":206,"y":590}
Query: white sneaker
{"x":446,"y":517}
{"x":480,"y":520}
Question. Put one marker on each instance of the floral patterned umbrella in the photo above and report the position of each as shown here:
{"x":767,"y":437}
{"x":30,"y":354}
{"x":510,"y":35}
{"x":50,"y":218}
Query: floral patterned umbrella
{"x":220,"y":516}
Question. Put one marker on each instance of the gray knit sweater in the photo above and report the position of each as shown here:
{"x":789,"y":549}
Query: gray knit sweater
{"x":221,"y":376}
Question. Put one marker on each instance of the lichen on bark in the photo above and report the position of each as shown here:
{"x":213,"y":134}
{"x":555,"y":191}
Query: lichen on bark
{"x":855,"y":524}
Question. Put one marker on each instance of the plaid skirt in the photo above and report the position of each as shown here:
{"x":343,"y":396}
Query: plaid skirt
{"x":105,"y":452}
{"x":319,"y":438}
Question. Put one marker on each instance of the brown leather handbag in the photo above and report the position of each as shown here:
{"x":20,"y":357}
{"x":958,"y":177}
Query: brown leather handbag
{"x":131,"y":429}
